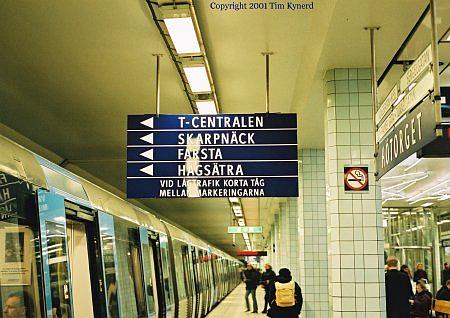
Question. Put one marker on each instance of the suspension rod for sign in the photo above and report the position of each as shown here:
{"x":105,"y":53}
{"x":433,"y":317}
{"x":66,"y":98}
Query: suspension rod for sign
{"x":267,"y":56}
{"x":374,"y":85}
{"x":435,"y":58}
{"x":158,"y":83}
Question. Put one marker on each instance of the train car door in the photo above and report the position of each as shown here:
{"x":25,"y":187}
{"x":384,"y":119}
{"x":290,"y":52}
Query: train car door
{"x":197,"y":282}
{"x":150,"y":276}
{"x":79,"y":269}
{"x":70,"y":274}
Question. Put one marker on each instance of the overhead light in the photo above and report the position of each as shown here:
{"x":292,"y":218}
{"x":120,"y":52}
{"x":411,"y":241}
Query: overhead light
{"x":241,"y":222}
{"x":413,"y":165}
{"x":197,"y":78}
{"x":238,"y":212}
{"x":427,"y":204}
{"x":412,"y":85}
{"x":183,"y":35}
{"x":399,"y":99}
{"x":233,"y":200}
{"x":207,"y":107}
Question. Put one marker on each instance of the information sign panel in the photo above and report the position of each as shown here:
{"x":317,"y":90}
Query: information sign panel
{"x":241,"y":155}
{"x":410,"y":135}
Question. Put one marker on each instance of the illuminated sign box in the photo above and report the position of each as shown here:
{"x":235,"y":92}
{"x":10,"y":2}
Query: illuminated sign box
{"x":245,"y":229}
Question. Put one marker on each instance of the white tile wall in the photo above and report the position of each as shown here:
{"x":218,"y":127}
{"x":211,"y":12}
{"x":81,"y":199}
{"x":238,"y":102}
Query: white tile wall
{"x":312,"y":215}
{"x":354,"y":220}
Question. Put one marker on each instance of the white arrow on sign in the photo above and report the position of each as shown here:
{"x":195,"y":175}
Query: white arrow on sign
{"x":148,"y":138}
{"x":148,"y":154}
{"x":148,"y":170}
{"x":148,"y":122}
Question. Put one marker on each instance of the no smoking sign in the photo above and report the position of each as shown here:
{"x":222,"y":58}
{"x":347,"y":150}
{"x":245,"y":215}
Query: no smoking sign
{"x":356,"y":178}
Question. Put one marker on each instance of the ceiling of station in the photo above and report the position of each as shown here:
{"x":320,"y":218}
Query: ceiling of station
{"x":71,"y":71}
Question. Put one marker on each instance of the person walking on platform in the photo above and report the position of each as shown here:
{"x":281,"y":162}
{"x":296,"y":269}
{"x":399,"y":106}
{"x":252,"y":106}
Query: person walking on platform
{"x":445,"y":274}
{"x":443,"y":294}
{"x":421,"y":304}
{"x":420,"y":273}
{"x":266,"y":280}
{"x":398,"y":291}
{"x":285,"y":296}
{"x":251,"y":279}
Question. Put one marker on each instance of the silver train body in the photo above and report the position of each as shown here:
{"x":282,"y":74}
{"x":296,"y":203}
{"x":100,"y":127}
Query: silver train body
{"x":68,"y":249}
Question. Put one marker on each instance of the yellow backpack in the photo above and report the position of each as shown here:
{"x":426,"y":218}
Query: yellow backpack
{"x":285,"y":294}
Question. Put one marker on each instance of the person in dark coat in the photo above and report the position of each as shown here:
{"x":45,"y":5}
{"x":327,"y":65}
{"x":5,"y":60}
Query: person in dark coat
{"x":445,"y":274}
{"x":443,"y":294}
{"x":421,"y":304}
{"x":251,"y":279}
{"x":266,"y":280}
{"x":275,"y":311}
{"x":420,"y":273}
{"x":405,"y":269}
{"x":398,"y":291}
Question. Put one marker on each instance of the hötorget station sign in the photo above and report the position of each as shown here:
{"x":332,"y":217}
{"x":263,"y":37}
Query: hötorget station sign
{"x":409,"y":120}
{"x":239,"y":155}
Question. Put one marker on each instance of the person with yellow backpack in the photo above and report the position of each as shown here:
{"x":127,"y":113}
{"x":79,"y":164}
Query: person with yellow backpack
{"x":285,"y":296}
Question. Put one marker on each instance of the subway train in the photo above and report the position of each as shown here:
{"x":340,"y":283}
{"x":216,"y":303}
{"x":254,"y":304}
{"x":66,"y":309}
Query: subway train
{"x":71,"y":249}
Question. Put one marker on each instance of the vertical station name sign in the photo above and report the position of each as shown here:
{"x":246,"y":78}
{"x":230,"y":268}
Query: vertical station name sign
{"x":227,"y":155}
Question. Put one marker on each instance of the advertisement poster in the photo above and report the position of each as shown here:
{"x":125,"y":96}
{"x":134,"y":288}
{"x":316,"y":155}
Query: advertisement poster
{"x":15,"y":260}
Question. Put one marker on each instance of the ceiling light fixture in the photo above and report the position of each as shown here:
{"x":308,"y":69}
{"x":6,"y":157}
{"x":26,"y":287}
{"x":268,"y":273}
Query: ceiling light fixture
{"x":399,"y":99}
{"x":197,"y":78}
{"x":413,"y":165}
{"x":233,"y":200}
{"x":207,"y":107}
{"x":182,"y":33}
{"x":427,"y":204}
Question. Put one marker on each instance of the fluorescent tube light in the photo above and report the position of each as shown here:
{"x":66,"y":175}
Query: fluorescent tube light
{"x":233,"y":200}
{"x":427,"y":204}
{"x":207,"y":107}
{"x":182,"y":33}
{"x":399,"y":99}
{"x":412,"y":85}
{"x":197,"y":78}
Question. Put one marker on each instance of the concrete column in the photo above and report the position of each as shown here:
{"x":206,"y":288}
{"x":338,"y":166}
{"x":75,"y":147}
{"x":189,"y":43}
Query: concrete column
{"x":356,"y":238}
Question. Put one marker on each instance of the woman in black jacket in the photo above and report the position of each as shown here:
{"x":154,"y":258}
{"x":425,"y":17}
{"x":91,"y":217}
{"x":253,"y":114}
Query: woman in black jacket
{"x":282,"y":281}
{"x":421,"y":304}
{"x":420,"y":273}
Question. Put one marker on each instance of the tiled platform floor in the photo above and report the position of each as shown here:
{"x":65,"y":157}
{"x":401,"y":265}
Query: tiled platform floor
{"x":234,"y":305}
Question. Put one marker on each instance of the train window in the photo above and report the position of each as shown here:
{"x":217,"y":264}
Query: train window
{"x":19,"y":249}
{"x":131,"y":284}
{"x":149,"y":270}
{"x":181,"y":277}
{"x":168,"y":288}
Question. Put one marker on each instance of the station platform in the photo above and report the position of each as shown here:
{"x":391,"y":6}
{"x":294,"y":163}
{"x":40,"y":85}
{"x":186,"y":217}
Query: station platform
{"x":234,"y":304}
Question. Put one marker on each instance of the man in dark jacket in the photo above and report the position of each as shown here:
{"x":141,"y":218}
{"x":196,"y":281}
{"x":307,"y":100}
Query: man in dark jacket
{"x":251,"y":279}
{"x":445,"y":274}
{"x":443,"y":294}
{"x":284,"y":279}
{"x":266,"y":280}
{"x":398,"y":291}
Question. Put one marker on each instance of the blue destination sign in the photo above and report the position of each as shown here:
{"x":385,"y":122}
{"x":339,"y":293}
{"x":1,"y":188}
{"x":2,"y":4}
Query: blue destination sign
{"x":173,"y":156}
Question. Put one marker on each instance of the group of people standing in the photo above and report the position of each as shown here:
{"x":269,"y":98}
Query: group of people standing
{"x":402,"y":301}
{"x":283,"y":297}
